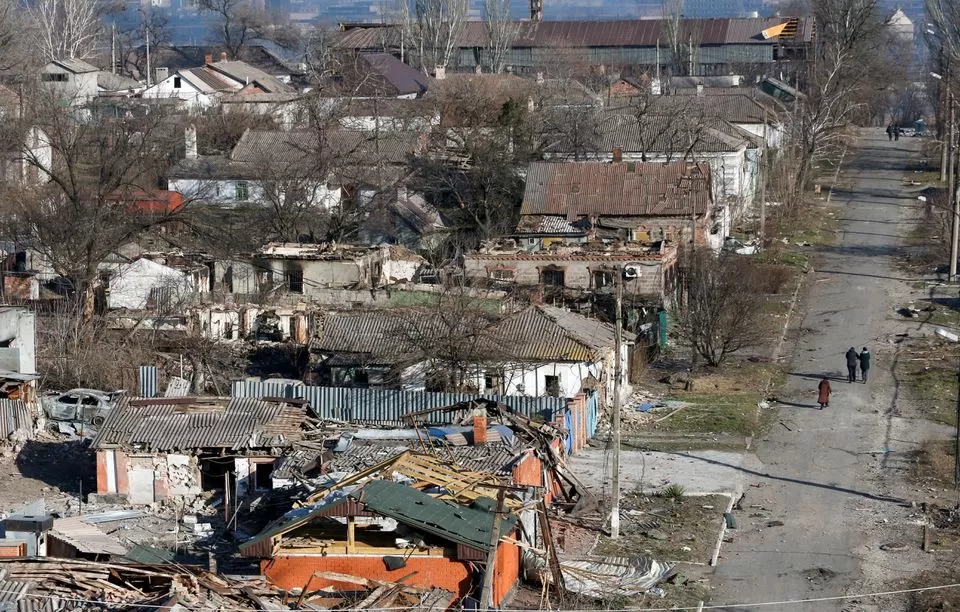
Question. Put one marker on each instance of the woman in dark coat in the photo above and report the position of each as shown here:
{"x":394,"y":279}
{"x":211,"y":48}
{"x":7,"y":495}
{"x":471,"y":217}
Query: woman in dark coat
{"x":824,"y":397}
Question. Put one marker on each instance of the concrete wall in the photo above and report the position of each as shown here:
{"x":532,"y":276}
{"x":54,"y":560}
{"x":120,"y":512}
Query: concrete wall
{"x":132,"y":284}
{"x":145,"y":479}
{"x":18,"y":337}
{"x":190,"y":95}
{"x":224,"y":192}
{"x":577,"y":273}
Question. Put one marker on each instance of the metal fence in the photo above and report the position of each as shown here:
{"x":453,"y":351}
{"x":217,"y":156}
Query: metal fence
{"x":14,"y":415}
{"x":387,"y":406}
{"x":148,"y":381}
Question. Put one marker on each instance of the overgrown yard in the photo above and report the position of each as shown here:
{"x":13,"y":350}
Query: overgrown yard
{"x":927,"y":370}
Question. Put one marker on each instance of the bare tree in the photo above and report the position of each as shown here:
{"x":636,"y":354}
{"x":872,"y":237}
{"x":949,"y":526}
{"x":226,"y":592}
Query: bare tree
{"x":239,"y":23}
{"x":65,"y":29}
{"x":435,"y":28}
{"x":14,"y":36}
{"x":502,"y":32}
{"x":152,"y":31}
{"x":95,"y":171}
{"x":849,"y":32}
{"x":683,"y":39}
{"x":721,"y":313}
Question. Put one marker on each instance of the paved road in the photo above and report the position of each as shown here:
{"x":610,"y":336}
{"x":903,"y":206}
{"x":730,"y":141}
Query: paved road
{"x":818,"y":470}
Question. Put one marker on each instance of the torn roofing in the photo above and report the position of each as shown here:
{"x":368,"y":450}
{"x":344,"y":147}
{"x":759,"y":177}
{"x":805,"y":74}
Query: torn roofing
{"x":461,"y":524}
{"x":169,"y":424}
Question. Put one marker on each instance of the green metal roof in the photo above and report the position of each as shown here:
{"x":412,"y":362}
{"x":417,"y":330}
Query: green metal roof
{"x":461,"y":524}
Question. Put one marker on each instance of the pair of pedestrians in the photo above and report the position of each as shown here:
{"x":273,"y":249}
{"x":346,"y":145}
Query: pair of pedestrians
{"x":854,"y":359}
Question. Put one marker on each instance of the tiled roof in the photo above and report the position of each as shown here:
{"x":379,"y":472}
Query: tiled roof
{"x":547,"y":333}
{"x":734,"y":105}
{"x":192,"y":423}
{"x":116,"y":82}
{"x":592,"y":188}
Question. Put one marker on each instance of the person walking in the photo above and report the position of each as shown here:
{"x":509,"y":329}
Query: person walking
{"x":896,"y":132}
{"x":824,"y":397}
{"x":890,"y":131}
{"x":864,"y":364}
{"x":852,"y":359}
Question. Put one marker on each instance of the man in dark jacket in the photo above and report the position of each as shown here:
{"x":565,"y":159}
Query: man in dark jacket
{"x":864,"y":364}
{"x":852,"y":359}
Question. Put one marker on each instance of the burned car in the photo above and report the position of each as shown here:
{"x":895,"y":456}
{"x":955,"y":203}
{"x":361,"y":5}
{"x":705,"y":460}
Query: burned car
{"x":80,"y":405}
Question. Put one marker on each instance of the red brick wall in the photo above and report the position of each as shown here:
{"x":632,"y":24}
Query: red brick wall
{"x":123,"y":473}
{"x":506,"y":570}
{"x":290,"y":572}
{"x":102,"y":473}
{"x":13,"y":551}
{"x":528,"y":472}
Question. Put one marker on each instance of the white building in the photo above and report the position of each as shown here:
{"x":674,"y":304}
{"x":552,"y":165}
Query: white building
{"x":204,"y":86}
{"x":145,"y":284}
{"x":72,"y":80}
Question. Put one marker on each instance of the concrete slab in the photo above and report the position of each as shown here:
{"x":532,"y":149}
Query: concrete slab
{"x":699,"y":472}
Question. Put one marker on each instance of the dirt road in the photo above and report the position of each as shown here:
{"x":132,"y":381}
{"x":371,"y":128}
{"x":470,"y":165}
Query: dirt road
{"x":819,"y":467}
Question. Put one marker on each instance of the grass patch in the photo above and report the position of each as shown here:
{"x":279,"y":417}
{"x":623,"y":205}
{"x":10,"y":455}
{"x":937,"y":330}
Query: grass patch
{"x":714,"y":414}
{"x":785,"y":257}
{"x":663,"y":527}
{"x":934,"y":462}
{"x":935,"y":389}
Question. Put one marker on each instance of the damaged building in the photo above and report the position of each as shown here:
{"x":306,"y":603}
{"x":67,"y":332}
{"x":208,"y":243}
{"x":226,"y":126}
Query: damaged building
{"x":179,"y":449}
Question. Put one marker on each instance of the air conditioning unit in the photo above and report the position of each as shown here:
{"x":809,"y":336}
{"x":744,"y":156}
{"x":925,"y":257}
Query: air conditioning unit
{"x":632,"y":270}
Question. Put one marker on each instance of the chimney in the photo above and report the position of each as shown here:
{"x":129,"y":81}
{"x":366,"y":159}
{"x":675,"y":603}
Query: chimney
{"x":190,"y":142}
{"x":223,"y":56}
{"x":479,"y":426}
{"x":440,"y":73}
{"x":539,"y":78}
{"x":162,"y":73}
{"x":617,"y":155}
{"x":700,"y":89}
{"x":208,"y":59}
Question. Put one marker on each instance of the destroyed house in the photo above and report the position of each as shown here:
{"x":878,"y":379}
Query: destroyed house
{"x":614,"y":202}
{"x":371,"y":528}
{"x":178,"y":449}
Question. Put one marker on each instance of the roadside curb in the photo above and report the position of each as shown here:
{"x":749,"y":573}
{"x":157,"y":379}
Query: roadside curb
{"x":793,"y":306}
{"x":734,"y":496}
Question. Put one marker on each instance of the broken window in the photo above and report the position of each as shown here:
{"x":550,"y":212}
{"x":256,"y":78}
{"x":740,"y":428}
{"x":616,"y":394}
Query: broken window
{"x":263,"y":476}
{"x":295,"y":281}
{"x":552,"y":277}
{"x":602,"y":278}
{"x":491,"y":381}
{"x":216,"y":473}
{"x":552,"y":385}
{"x":177,"y":82}
{"x":501,"y":277}
{"x":228,"y":330}
{"x":242,"y":191}
{"x":55,"y":78}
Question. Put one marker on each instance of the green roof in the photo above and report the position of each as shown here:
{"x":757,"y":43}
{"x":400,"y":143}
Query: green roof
{"x":461,"y":524}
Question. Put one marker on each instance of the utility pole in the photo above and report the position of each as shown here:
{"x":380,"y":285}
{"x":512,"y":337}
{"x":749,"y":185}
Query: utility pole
{"x":617,"y":375}
{"x":956,"y":448}
{"x":952,"y":186}
{"x":148,"y":56}
{"x":943,"y":118}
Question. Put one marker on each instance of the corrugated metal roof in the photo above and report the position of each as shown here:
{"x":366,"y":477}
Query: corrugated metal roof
{"x":235,"y":423}
{"x":207,"y":81}
{"x":86,"y":538}
{"x":305,"y":147}
{"x":76,"y":66}
{"x":403,"y":79}
{"x":245,"y":74}
{"x":610,"y":33}
{"x":452,"y":522}
{"x":573,"y":190}
{"x":388,"y":406}
{"x":14,"y":415}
